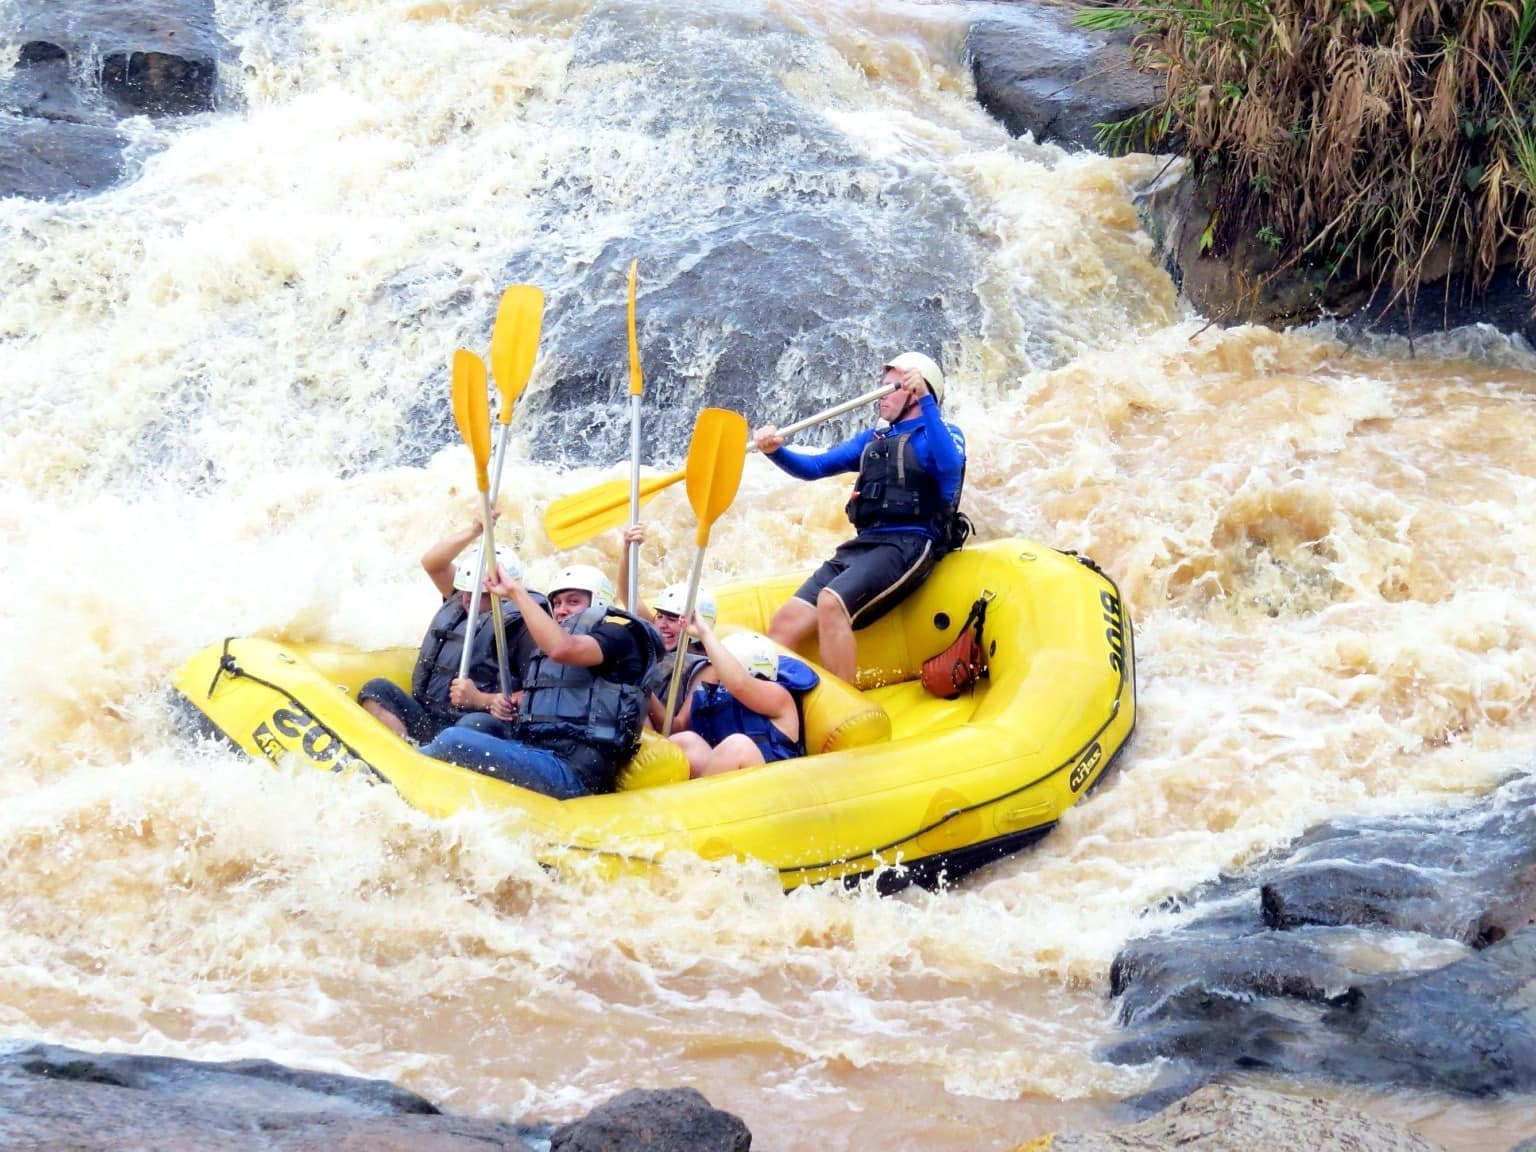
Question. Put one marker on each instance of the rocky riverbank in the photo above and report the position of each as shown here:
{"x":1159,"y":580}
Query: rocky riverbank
{"x":62,"y":1098}
{"x":1041,"y":75}
{"x":54,"y":1098}
{"x":1396,"y":952}
{"x":1385,"y":953}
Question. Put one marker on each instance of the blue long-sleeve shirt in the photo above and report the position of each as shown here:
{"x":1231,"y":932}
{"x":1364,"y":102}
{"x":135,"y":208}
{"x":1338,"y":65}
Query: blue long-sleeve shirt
{"x":940,"y":449}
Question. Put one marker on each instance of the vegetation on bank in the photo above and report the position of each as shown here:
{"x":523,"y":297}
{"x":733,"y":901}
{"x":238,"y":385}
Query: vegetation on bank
{"x":1381,"y":141}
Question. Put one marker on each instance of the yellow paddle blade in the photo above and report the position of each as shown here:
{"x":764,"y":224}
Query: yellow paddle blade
{"x":716,"y":455}
{"x":472,"y":411}
{"x":576,"y":518}
{"x":515,"y":343}
{"x":636,"y":380}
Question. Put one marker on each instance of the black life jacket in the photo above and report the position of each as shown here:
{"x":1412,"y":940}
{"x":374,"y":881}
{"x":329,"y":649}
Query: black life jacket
{"x":437,"y":664}
{"x":893,"y":490}
{"x":717,"y":714}
{"x":569,"y":702}
{"x":660,"y":681}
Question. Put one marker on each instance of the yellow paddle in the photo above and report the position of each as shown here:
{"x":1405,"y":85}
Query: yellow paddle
{"x":716,"y":455}
{"x":471,"y":412}
{"x":636,"y":387}
{"x":572,"y":519}
{"x":514,"y":346}
{"x":515,"y":343}
{"x":582,"y":515}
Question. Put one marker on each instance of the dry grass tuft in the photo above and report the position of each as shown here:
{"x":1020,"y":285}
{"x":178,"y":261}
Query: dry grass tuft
{"x":1387,"y":138}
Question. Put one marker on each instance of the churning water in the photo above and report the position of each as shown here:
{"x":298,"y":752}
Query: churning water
{"x":225,"y":412}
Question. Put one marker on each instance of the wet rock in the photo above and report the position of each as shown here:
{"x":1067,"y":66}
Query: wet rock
{"x":159,"y":83}
{"x":1449,"y":302}
{"x":1150,"y":973}
{"x":56,"y":160}
{"x":55,"y":1097}
{"x":1233,"y":1008}
{"x":1262,"y":979}
{"x":1468,"y":1028}
{"x":158,"y":57}
{"x":41,"y":86}
{"x":676,"y":1120}
{"x":1393,"y":895}
{"x":1221,"y":1119}
{"x":1462,"y":878}
{"x":1512,"y":910}
{"x":85,"y":65}
{"x":1039,"y":74}
{"x":790,"y":260}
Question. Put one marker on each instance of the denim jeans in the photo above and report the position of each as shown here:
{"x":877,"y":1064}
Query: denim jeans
{"x":527,"y":766}
{"x":423,"y":723}
{"x":485,"y":722}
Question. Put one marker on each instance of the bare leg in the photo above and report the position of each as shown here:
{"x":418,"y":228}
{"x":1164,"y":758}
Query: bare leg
{"x":839,"y":650}
{"x":792,"y":623}
{"x":385,"y":717}
{"x":732,"y":753}
{"x":695,"y":749}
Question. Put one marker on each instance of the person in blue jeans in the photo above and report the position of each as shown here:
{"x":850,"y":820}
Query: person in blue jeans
{"x":905,"y":509}
{"x":583,"y":697}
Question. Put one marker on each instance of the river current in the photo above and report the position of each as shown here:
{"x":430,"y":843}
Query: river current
{"x":225,"y":395}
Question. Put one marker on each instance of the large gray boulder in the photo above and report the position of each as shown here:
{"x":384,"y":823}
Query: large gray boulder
{"x":44,"y":159}
{"x":780,"y":254}
{"x":158,"y":58}
{"x":675,"y":1120}
{"x":1040,"y":74}
{"x":56,"y":1097}
{"x":1256,"y":978}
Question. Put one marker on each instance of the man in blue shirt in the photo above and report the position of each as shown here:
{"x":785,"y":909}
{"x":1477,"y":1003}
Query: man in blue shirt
{"x":904,"y":502}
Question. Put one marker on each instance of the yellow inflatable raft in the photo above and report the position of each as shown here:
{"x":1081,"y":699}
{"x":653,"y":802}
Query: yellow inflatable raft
{"x":900,"y":783}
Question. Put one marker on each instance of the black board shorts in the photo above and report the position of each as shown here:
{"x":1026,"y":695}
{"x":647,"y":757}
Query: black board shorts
{"x":872,"y":573}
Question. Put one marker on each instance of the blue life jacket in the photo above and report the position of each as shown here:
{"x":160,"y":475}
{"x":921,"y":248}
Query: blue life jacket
{"x":717,"y":714}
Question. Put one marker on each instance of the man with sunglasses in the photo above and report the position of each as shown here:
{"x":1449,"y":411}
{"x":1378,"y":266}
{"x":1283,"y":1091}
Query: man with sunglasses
{"x":905,"y":508}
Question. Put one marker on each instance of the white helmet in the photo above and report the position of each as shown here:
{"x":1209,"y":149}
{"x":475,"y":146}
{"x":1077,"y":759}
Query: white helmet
{"x":926,"y":368}
{"x":675,"y":599}
{"x":755,"y":651}
{"x":584,"y":578}
{"x":466,"y":574}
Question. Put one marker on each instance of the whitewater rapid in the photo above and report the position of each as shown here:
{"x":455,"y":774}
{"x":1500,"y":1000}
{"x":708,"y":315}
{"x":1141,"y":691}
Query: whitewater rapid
{"x":225,"y":385}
